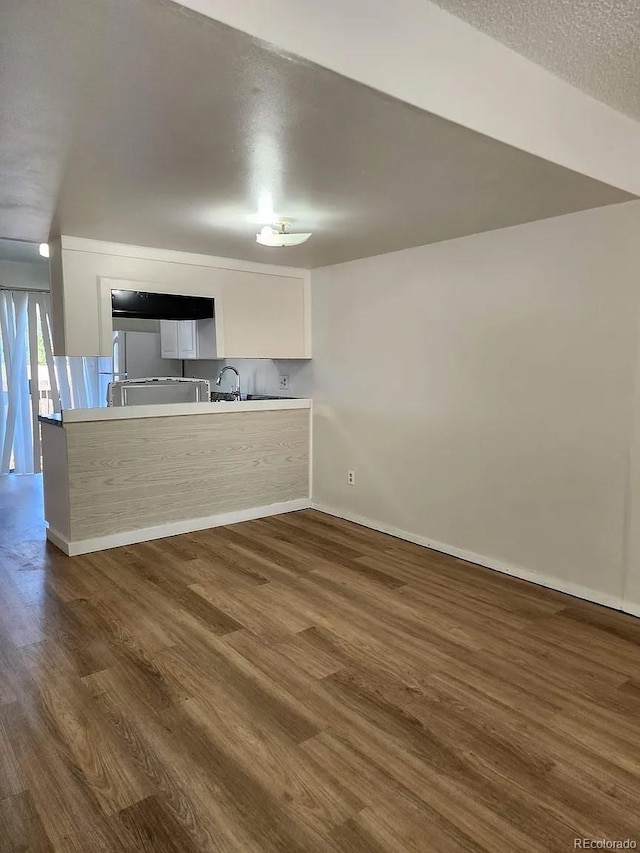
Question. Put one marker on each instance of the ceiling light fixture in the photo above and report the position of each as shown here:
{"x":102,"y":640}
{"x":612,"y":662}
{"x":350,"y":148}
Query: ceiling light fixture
{"x":43,"y":248}
{"x":280,"y":238}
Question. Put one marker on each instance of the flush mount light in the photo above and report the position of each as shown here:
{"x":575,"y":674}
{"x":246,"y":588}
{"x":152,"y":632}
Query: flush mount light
{"x":43,"y":248}
{"x":280,"y":237}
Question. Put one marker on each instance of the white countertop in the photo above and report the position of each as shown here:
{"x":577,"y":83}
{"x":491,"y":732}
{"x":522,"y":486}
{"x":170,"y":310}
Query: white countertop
{"x":166,"y":410}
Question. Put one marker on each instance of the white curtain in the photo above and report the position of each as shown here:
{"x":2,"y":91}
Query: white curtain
{"x":25,"y":322}
{"x":81,"y":383}
{"x":17,"y":417}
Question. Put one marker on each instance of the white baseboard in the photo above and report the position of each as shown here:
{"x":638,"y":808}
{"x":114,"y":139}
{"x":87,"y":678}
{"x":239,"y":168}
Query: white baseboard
{"x":58,"y":539}
{"x":174,"y":528}
{"x":631,"y":609}
{"x":549,"y":581}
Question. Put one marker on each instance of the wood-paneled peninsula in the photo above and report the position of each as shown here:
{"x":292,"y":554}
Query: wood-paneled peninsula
{"x":116,"y":476}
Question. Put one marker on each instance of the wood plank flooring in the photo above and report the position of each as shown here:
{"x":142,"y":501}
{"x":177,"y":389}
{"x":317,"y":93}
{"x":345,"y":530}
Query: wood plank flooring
{"x":303,"y":684}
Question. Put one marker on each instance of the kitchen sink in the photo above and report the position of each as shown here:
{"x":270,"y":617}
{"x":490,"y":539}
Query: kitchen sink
{"x":222,"y":397}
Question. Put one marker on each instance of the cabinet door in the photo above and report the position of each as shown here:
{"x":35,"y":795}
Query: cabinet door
{"x":264,"y":317}
{"x":169,"y":347}
{"x":187,"y":339}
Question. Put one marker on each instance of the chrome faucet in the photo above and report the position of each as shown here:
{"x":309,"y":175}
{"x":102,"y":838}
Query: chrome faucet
{"x":236,"y":392}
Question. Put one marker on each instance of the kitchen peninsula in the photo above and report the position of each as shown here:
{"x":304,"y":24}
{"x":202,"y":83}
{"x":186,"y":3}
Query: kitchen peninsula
{"x":115,"y":476}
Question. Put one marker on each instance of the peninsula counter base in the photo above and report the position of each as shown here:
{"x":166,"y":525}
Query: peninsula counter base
{"x":111,"y":482}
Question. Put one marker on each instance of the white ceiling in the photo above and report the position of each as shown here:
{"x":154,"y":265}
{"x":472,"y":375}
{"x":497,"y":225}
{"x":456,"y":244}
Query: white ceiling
{"x":137,"y":121}
{"x":594,"y":44}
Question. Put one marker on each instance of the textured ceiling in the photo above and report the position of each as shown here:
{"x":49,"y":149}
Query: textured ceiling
{"x":136,"y":121}
{"x":594,"y":44}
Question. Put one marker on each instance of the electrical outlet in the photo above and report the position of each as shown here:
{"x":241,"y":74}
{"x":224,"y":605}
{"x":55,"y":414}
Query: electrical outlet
{"x":351,"y":478}
{"x":284,"y":383}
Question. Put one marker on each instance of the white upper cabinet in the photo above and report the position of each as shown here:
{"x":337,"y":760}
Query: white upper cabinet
{"x":265,"y":316}
{"x":169,"y":344}
{"x":188,"y":339}
{"x":261,"y":311}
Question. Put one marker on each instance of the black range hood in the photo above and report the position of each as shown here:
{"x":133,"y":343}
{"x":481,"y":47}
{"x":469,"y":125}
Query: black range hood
{"x":139,"y":305}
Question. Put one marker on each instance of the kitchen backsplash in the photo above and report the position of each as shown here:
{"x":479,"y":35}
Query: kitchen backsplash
{"x":257,"y":375}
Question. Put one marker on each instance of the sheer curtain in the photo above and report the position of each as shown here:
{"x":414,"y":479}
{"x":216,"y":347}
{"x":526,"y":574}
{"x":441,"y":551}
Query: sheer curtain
{"x":17,"y":418}
{"x":34,"y":381}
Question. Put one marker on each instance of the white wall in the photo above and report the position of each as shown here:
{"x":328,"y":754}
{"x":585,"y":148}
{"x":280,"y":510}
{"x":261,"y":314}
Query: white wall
{"x":483,"y":390}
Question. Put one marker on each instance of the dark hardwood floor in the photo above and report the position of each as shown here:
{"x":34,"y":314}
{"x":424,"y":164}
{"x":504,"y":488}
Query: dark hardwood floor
{"x":303,"y":684}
